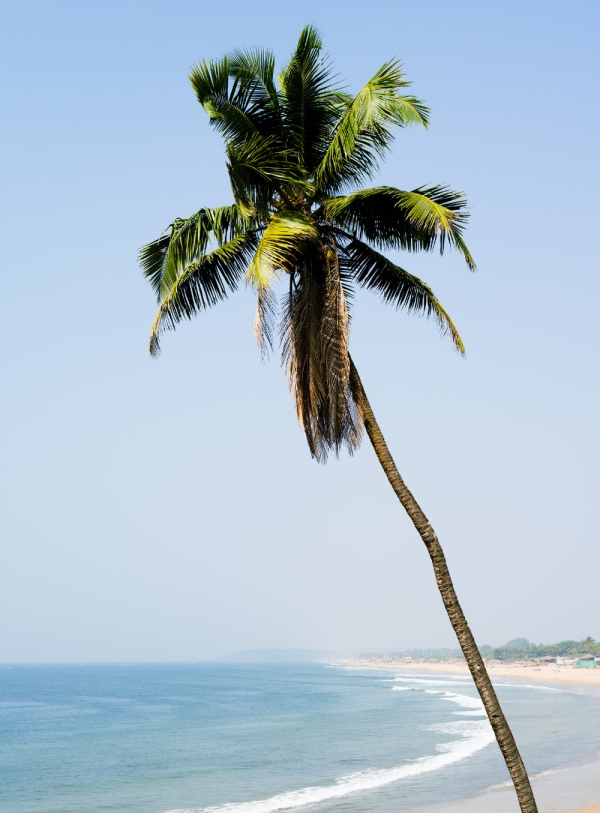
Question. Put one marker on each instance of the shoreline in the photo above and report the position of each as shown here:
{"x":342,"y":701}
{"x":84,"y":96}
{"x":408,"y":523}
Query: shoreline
{"x":562,"y":790}
{"x":588,"y":678}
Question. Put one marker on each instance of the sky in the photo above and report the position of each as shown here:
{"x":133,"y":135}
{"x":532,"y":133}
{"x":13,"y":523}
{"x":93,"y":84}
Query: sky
{"x":169,"y":509}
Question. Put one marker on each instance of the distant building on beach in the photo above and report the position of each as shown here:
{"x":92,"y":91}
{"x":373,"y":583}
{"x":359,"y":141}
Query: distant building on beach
{"x":586,"y":662}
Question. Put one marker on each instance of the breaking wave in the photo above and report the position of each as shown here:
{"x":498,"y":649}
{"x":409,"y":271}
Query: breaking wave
{"x":473,"y":736}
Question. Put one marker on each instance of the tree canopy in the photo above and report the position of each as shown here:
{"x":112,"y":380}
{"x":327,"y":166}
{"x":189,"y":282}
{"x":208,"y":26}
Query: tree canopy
{"x":297,"y":146}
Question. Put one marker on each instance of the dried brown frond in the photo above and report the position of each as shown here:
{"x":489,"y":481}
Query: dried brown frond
{"x":264,"y":320}
{"x":344,"y":418}
{"x":314,"y":329}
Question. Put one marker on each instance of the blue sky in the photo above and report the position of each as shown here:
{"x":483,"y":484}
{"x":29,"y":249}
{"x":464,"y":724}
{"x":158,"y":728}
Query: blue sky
{"x":169,"y":509}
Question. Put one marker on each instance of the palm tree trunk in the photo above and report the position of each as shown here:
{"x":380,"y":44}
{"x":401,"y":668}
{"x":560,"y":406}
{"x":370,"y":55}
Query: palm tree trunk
{"x":504,"y":736}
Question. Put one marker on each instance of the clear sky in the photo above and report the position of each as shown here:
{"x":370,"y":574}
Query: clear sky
{"x":164,"y":510}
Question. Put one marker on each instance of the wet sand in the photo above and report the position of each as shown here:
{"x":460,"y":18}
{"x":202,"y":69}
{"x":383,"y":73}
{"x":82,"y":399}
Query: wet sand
{"x":570,"y":790}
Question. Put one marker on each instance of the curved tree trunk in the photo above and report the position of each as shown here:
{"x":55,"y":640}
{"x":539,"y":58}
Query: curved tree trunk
{"x":504,"y":736}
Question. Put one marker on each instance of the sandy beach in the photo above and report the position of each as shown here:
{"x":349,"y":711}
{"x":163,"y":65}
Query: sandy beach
{"x":572,"y":790}
{"x":593,"y":809}
{"x":549,"y":674}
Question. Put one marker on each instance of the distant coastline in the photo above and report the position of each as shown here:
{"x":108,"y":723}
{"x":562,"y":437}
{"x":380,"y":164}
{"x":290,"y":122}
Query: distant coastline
{"x":517,"y":651}
{"x":576,"y":662}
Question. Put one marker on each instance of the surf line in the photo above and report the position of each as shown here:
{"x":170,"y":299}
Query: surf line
{"x":475,"y":736}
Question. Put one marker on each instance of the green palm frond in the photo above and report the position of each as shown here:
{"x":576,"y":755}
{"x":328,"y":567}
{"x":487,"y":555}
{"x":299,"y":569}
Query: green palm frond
{"x":412,"y":221}
{"x":210,"y":79}
{"x":253,"y":72}
{"x":152,"y":260}
{"x":227,"y":106}
{"x":440,"y":210}
{"x":203,"y":284}
{"x":258,"y":169}
{"x":365,"y":130}
{"x":311,"y":100}
{"x":396,"y":286}
{"x":281,"y":247}
{"x":164,"y":259}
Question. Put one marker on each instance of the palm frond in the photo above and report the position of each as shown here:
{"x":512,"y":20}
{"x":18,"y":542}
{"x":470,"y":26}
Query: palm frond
{"x":344,"y":422}
{"x":203,"y":284}
{"x":310,"y":99}
{"x":152,"y":260}
{"x":365,"y":130}
{"x":281,"y":246}
{"x":164,"y":259}
{"x":314,"y":333}
{"x":300,"y":331}
{"x":253,"y":72}
{"x":227,"y":105}
{"x":439,"y":210}
{"x":258,"y":169}
{"x":265,"y":318}
{"x":396,"y":286}
{"x":412,"y":221}
{"x":210,"y":79}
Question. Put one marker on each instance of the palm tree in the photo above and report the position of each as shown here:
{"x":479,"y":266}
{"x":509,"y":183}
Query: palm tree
{"x":296,"y":151}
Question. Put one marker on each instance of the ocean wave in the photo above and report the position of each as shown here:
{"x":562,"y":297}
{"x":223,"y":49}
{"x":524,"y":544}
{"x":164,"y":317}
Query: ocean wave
{"x":465,"y":700}
{"x":474,"y":704}
{"x":431,"y":682}
{"x":474,"y":734}
{"x":539,"y":687}
{"x":428,"y":675}
{"x":451,"y":680}
{"x":460,"y":699}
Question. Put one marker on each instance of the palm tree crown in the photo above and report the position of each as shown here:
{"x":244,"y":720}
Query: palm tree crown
{"x":296,"y":151}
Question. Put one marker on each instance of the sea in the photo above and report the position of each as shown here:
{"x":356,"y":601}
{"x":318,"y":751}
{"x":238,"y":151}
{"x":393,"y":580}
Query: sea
{"x":262,"y":738}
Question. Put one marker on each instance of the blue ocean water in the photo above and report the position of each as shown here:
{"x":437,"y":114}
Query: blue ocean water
{"x":259,"y":738}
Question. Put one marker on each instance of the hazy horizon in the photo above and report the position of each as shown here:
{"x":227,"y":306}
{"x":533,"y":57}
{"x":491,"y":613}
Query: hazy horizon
{"x":277,"y":655}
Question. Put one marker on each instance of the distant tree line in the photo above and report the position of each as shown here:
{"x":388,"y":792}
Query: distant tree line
{"x":519,"y":649}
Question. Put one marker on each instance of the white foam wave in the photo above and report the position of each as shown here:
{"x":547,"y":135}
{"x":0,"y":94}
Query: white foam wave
{"x":362,"y":781}
{"x":540,"y":688}
{"x":460,"y":699}
{"x":429,"y":675}
{"x":466,"y":701}
{"x":428,"y":682}
{"x":474,"y":734}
